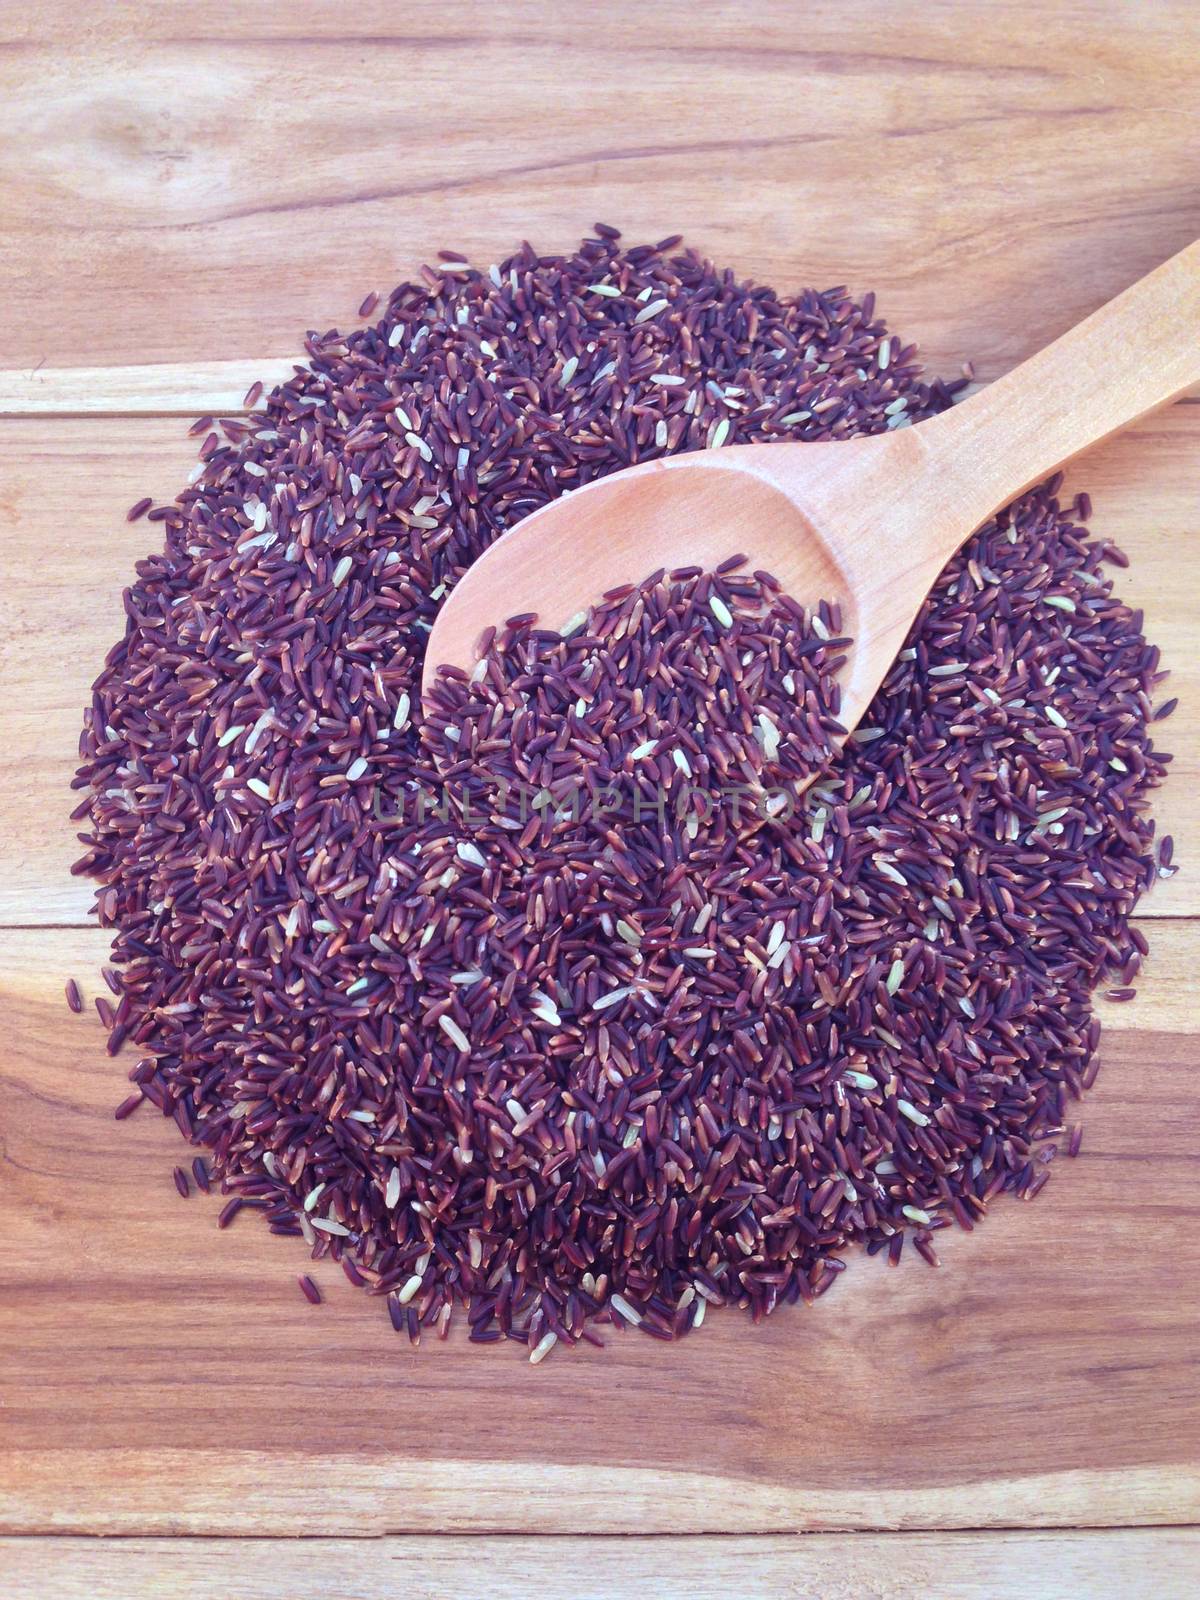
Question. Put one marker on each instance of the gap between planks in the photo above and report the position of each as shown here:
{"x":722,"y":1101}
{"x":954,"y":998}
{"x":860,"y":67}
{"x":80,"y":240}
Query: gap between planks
{"x":963,"y":1565}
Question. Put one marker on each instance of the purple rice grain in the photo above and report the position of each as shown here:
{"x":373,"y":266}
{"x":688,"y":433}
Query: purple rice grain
{"x":309,"y":1289}
{"x":924,"y":1248}
{"x":74,"y":997}
{"x":630,"y":1123}
{"x":139,"y":508}
{"x":181,"y":1183}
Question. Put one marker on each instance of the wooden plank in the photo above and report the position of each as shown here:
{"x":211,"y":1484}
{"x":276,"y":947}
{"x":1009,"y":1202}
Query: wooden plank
{"x":1084,"y":1564}
{"x":157,"y":389}
{"x":68,"y":551}
{"x":164,"y":388}
{"x":1165,"y":1002}
{"x":161,"y":1376}
{"x":200,"y":183}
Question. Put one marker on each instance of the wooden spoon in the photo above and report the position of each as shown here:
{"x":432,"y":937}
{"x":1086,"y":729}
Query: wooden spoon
{"x":866,"y":522}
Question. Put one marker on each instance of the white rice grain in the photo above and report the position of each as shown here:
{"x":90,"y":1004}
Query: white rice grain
{"x":454,"y":1033}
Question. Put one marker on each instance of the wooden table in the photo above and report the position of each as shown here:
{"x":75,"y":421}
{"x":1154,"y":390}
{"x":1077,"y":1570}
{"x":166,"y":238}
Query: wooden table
{"x":183,"y":190}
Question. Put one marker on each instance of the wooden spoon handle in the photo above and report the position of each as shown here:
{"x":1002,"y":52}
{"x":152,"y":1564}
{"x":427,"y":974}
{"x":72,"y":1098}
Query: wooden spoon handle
{"x":1137,"y":353}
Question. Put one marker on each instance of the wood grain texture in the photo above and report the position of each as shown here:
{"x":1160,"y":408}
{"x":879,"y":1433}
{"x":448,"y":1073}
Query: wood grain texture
{"x":184,"y":190}
{"x":67,"y":552}
{"x":1090,"y":1564}
{"x":164,"y":1376}
{"x":254,"y":175}
{"x":164,"y":388}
